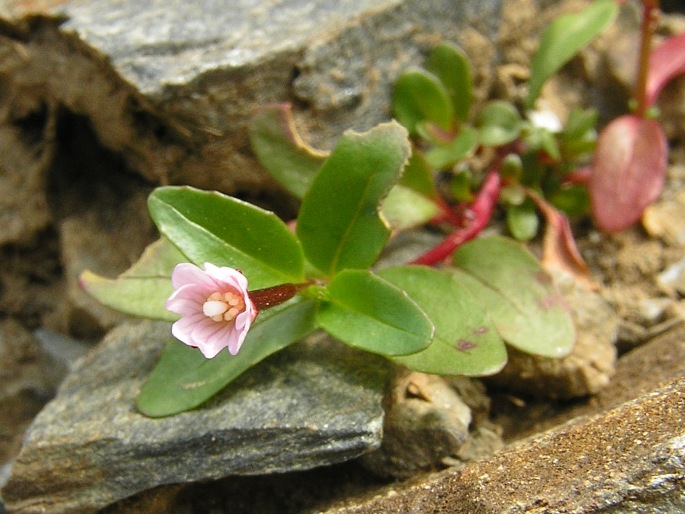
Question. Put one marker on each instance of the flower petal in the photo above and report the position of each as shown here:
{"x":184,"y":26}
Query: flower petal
{"x":219,"y":340}
{"x":186,"y":273}
{"x":229,"y":276}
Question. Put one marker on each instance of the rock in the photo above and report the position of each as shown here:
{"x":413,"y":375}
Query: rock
{"x":629,"y":459}
{"x":107,"y":241}
{"x":64,"y":350}
{"x":672,"y":279}
{"x":297,"y":410}
{"x":170,"y":89}
{"x":589,"y":366}
{"x":425,"y":422}
{"x":29,"y":379}
{"x":664,"y":218}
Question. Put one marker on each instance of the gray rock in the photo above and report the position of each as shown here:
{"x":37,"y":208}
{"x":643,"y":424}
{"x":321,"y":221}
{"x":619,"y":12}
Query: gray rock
{"x":29,"y":379}
{"x":170,"y":87}
{"x":297,"y":410}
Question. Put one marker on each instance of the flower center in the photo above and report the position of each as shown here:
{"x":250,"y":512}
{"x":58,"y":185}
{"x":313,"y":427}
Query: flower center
{"x":223,"y":306}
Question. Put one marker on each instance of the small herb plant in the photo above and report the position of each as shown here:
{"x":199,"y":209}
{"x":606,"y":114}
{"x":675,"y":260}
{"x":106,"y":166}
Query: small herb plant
{"x":231,"y":275}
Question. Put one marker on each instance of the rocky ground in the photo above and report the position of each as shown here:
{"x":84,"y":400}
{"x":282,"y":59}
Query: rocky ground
{"x":95,"y":111}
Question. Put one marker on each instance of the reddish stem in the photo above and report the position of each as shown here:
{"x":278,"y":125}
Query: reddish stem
{"x":650,"y":13}
{"x":579,"y":177}
{"x":477,"y":218}
{"x":276,"y":295}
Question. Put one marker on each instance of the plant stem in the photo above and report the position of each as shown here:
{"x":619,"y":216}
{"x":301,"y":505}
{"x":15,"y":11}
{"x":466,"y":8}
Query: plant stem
{"x":477,"y":218}
{"x":276,"y":295}
{"x":650,"y":14}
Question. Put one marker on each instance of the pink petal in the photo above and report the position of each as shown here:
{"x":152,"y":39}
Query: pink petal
{"x":229,"y":276}
{"x":183,"y":328}
{"x":186,"y":273}
{"x":216,"y":342}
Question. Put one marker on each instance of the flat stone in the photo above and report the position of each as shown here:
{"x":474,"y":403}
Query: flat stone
{"x":629,"y":459}
{"x":297,"y":410}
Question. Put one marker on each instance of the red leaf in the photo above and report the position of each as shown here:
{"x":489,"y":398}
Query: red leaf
{"x":628,"y":171}
{"x":666,"y":62}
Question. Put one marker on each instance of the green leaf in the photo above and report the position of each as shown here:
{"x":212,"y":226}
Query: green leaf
{"x":449,"y":63}
{"x":499,"y":123}
{"x":418,"y":175}
{"x":143,"y":288}
{"x":522,"y":221}
{"x":421,"y":96}
{"x":460,"y":186}
{"x":465,"y":341}
{"x":366,"y":312}
{"x":184,"y":378}
{"x":281,"y":150}
{"x":212,"y":227}
{"x":459,"y":148}
{"x":563,"y":38}
{"x":579,"y":123}
{"x":572,"y":199}
{"x":404,"y":208}
{"x":527,"y":309}
{"x":339,"y":223}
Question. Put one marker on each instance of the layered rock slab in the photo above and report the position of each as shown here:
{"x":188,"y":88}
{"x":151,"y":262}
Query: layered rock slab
{"x":89,"y":447}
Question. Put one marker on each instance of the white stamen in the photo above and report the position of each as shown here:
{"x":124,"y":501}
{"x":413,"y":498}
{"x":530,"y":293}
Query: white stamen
{"x":223,"y":306}
{"x":214,"y":308}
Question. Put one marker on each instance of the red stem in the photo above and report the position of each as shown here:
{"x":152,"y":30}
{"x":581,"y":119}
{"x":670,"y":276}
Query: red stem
{"x":477,"y":216}
{"x":276,"y":295}
{"x":579,"y":176}
{"x":650,"y":13}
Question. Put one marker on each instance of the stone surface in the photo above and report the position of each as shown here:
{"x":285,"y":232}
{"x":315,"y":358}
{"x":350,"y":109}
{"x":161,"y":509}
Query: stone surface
{"x":426,"y":421}
{"x":628,"y":460}
{"x":29,"y":378}
{"x":589,"y":366}
{"x":170,"y":89}
{"x":89,"y":447}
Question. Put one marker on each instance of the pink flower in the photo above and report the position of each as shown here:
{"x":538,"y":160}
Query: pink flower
{"x":215,"y":307}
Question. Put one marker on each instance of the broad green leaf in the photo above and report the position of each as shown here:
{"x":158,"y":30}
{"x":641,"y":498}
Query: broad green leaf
{"x":366,"y":312}
{"x":449,"y":63}
{"x":527,"y":309}
{"x":461,"y":147}
{"x":522,"y":221}
{"x":420,"y":96}
{"x":498,"y":123}
{"x":404,"y":208}
{"x":184,"y":378}
{"x":212,"y":227}
{"x":465,"y":341}
{"x":282,"y":151}
{"x":339,"y":223}
{"x":563,"y":38}
{"x":143,"y":288}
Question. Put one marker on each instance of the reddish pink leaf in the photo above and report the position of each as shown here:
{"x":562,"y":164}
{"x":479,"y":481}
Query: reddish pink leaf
{"x":667,"y":61}
{"x":628,"y":171}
